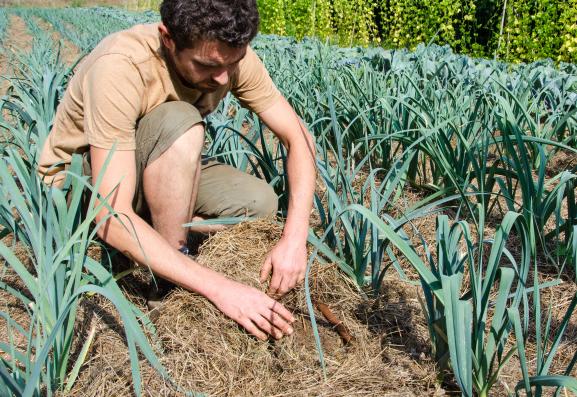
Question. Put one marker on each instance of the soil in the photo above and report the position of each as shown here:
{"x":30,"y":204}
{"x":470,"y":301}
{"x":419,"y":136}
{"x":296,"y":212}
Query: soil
{"x":17,"y":38}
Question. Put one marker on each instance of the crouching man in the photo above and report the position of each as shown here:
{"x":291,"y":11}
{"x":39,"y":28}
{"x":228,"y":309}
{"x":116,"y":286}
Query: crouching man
{"x":144,"y":92}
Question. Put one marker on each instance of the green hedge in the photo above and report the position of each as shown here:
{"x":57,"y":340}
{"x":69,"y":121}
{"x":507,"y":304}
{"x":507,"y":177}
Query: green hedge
{"x":511,"y":30}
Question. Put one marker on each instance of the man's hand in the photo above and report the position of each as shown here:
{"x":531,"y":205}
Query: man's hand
{"x":288,"y":262}
{"x":254,"y":310}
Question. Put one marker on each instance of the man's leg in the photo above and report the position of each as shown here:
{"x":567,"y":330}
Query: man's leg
{"x":169,"y":142}
{"x":170,"y":185}
{"x":225,"y":192}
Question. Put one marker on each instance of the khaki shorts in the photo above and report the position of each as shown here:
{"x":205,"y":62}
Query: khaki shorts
{"x":223,"y":190}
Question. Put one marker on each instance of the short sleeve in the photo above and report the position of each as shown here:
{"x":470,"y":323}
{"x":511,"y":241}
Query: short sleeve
{"x":253,"y":86}
{"x":112,"y":94}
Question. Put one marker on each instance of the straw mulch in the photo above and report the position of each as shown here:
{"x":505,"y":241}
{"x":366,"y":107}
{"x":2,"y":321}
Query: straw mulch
{"x":206,"y":352}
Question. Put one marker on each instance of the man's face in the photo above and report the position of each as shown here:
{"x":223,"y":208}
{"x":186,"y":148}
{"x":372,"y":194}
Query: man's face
{"x":205,"y":67}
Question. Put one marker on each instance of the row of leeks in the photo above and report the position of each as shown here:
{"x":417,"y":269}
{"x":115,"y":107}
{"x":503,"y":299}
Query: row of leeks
{"x":470,"y":136}
{"x":86,"y":27}
{"x":55,"y":229}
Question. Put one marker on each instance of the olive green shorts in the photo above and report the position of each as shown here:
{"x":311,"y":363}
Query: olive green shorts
{"x":223,"y":190}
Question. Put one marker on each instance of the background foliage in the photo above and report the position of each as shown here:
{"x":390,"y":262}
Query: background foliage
{"x":511,"y":30}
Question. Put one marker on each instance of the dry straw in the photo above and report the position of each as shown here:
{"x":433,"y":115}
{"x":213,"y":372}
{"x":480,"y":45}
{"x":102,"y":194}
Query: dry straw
{"x":204,"y":351}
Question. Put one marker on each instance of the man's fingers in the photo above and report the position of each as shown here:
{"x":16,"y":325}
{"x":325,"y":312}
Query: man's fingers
{"x":275,"y":283}
{"x":265,"y":270}
{"x":253,"y":329}
{"x":266,"y":324}
{"x":284,"y":313}
{"x":286,"y":285}
{"x":280,"y":323}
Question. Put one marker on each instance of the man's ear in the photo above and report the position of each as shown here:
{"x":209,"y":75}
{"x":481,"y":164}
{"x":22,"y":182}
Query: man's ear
{"x":166,"y":37}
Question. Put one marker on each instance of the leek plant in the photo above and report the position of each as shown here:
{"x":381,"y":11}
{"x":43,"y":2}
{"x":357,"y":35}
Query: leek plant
{"x":548,"y":342}
{"x":470,"y":325}
{"x":56,"y":272}
{"x":356,"y":243}
{"x":35,"y":93}
{"x":537,"y":323}
{"x":543,"y":102}
{"x":56,"y":237}
{"x":541,"y":200}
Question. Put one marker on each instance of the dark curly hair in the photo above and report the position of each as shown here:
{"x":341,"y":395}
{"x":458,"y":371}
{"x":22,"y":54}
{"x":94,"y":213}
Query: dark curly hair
{"x":234,"y":22}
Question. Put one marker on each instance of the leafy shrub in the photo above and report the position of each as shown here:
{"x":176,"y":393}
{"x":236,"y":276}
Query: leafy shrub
{"x":354,"y":21}
{"x":531,"y":30}
{"x":407,"y":23}
{"x":513,"y":30}
{"x":298,"y":18}
{"x":568,"y":34}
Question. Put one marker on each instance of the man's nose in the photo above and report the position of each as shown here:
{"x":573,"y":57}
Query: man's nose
{"x":221,"y":77}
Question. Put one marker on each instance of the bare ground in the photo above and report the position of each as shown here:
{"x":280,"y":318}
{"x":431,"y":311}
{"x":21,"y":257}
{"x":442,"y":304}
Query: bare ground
{"x":17,"y":39}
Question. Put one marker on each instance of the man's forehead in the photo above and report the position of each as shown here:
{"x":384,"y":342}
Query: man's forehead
{"x":216,"y":53}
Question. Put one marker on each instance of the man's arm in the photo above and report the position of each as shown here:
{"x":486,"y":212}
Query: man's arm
{"x":288,"y":258}
{"x":252,"y":309}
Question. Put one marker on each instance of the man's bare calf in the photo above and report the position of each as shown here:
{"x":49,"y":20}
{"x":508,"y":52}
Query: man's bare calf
{"x":170,"y":186}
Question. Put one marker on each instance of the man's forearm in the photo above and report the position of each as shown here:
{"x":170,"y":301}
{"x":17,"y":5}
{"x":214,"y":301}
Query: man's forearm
{"x":301,"y":177}
{"x":288,"y":259}
{"x":150,"y":249}
{"x":301,"y":166}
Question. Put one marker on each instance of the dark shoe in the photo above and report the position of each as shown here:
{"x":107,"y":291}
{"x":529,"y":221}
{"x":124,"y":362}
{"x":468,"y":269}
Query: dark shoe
{"x":158,"y":289}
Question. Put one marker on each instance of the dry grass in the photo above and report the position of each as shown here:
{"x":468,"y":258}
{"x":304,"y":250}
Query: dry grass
{"x":207,"y":352}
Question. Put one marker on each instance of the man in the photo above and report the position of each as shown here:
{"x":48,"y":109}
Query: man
{"x":143,"y":92}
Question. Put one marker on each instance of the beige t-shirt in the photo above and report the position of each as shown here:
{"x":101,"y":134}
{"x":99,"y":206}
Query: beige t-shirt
{"x":121,"y":80}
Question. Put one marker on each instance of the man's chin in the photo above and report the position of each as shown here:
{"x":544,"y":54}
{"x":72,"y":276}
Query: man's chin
{"x":207,"y":89}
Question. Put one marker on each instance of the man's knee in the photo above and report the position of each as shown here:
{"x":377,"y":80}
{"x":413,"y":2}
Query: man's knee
{"x":172,"y":126}
{"x":264,"y":203}
{"x":187,"y":147}
{"x":255,"y":199}
{"x":227,"y":192}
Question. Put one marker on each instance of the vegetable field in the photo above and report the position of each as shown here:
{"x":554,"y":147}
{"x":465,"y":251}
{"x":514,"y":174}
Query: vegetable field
{"x":445,"y":180}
